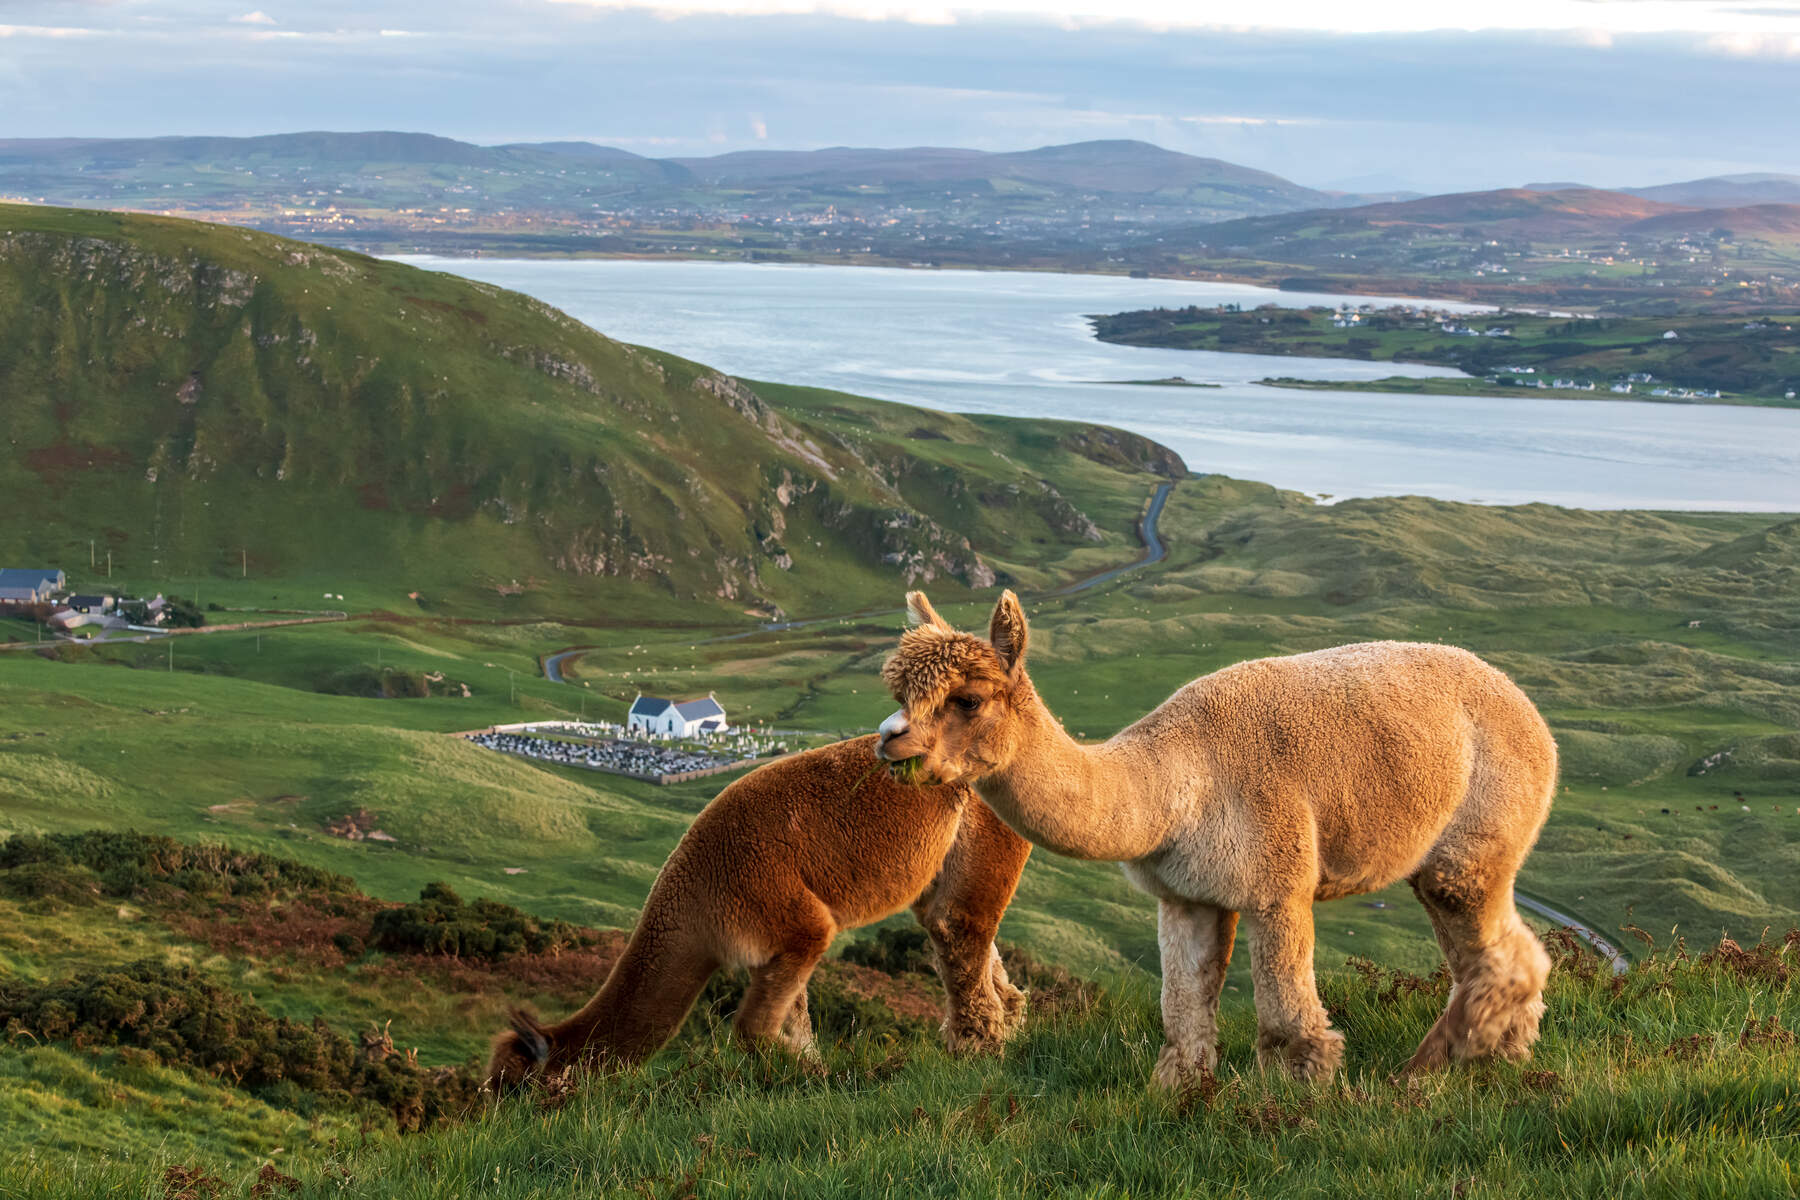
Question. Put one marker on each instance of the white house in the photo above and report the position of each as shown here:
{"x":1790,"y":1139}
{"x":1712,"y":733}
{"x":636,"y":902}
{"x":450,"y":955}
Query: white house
{"x":684,"y":718}
{"x":20,"y":585}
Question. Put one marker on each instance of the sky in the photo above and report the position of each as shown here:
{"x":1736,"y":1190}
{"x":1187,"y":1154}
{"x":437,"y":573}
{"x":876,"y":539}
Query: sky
{"x":1360,"y":95}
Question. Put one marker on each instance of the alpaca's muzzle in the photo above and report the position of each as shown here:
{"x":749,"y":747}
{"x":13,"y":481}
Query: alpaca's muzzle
{"x":892,"y":730}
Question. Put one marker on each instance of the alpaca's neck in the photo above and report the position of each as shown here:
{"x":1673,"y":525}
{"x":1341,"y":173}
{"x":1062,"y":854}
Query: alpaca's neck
{"x":1097,"y":802}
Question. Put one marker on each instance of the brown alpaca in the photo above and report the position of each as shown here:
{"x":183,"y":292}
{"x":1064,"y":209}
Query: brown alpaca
{"x":1259,"y":789}
{"x":768,"y":874}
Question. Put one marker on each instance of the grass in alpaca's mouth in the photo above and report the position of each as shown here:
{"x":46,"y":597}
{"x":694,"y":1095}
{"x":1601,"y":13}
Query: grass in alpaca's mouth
{"x":909,"y":770}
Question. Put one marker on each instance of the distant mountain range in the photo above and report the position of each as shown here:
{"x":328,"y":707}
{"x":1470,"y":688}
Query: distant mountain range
{"x":1533,"y":214}
{"x":393,"y":171}
{"x":1718,"y":191}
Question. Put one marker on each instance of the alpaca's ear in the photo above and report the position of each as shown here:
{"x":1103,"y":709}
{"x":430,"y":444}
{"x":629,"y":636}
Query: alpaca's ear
{"x":1006,"y":631}
{"x":531,"y":1036}
{"x":920,"y":612}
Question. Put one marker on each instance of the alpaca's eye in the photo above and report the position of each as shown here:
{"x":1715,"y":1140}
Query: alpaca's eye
{"x":967,"y":703}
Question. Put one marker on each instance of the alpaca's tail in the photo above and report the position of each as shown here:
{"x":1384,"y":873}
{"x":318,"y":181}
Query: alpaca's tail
{"x":637,"y":1010}
{"x":642,"y":1004}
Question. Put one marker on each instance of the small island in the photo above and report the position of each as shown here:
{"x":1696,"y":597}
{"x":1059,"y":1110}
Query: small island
{"x":1168,"y":381}
{"x":1684,"y":359}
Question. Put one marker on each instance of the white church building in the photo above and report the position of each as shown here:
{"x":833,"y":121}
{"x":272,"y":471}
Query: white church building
{"x":672,"y":718}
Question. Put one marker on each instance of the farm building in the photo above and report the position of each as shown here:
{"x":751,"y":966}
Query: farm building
{"x":22,"y":586}
{"x":677,"y":718}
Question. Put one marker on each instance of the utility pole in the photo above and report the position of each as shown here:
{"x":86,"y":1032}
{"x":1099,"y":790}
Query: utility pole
{"x":109,"y":564}
{"x":90,"y":554}
{"x":244,"y":557}
{"x":171,"y":654}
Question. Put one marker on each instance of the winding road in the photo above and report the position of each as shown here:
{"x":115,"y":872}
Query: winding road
{"x":1154,"y":550}
{"x":1615,"y":957}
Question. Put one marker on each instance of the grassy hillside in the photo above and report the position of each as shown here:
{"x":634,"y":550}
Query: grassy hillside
{"x":210,"y":403}
{"x":1679,"y":816}
{"x":1675,"y":1079}
{"x":1663,"y":648}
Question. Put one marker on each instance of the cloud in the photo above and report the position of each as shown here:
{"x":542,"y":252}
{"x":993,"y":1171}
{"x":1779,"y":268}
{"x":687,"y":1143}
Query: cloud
{"x":259,"y":17}
{"x":759,"y":128}
{"x":1593,"y":22}
{"x":1755,"y":45}
{"x":45,"y":31}
{"x":1224,"y":119}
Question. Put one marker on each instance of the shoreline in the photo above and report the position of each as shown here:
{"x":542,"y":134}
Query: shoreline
{"x":1410,"y":385}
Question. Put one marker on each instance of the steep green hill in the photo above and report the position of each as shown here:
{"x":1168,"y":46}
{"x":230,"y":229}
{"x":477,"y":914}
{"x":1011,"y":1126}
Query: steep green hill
{"x":202,"y":401}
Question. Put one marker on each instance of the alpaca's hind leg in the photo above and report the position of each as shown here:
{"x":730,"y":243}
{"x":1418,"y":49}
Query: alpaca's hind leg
{"x":975,"y":1019}
{"x":1012,"y":999}
{"x":779,"y":983}
{"x":1196,"y":942}
{"x":1293,"y":1029}
{"x":1498,"y":965}
{"x":797,"y":1030}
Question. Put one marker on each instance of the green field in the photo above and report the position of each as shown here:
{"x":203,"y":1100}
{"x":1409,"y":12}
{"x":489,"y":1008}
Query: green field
{"x":1591,"y":612}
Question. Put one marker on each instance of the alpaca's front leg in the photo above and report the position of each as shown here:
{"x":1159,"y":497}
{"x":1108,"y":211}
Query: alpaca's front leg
{"x":1196,"y":944}
{"x":1293,"y":1029}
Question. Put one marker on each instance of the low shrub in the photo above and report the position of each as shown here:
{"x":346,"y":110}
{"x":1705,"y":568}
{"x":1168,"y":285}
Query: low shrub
{"x":70,"y":865}
{"x":187,"y":1019}
{"x":440,"y":923}
{"x":893,"y":950}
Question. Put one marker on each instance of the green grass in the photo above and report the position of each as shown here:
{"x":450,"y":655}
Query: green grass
{"x":1677,"y":1080}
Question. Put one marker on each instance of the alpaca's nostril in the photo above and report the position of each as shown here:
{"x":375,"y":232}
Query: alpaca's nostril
{"x":895,"y":725}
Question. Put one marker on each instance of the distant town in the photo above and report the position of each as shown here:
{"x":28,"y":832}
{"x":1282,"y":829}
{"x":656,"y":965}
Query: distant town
{"x":43,"y":596}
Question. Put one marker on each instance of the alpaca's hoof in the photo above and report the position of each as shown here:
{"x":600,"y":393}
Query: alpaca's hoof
{"x":1012,"y":1005}
{"x":1181,"y":1067}
{"x":1308,"y":1057}
{"x":1521,"y":1031}
{"x":974,"y":1035}
{"x":1430,"y":1056}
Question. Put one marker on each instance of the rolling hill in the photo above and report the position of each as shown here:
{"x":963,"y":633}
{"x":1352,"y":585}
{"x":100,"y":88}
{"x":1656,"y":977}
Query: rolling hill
{"x":412,"y":174}
{"x":206,"y":401}
{"x":1717,"y":191}
{"x":1509,"y":212}
{"x":1139,"y":170}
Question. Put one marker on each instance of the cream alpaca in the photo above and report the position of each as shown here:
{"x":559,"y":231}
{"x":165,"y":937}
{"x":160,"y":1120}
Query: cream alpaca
{"x":1260,"y":789}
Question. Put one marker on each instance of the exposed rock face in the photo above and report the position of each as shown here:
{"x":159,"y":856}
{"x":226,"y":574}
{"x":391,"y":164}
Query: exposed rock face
{"x":736,"y":394}
{"x":924,"y":551}
{"x":1116,"y":448}
{"x":120,"y":264}
{"x":543,"y":360}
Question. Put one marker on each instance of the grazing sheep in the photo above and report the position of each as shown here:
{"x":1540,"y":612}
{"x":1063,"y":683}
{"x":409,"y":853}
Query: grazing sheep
{"x":768,"y":874}
{"x":1260,"y":789}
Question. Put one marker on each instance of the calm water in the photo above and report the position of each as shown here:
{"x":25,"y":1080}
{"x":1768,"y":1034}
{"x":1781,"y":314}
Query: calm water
{"x":1018,"y":344}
